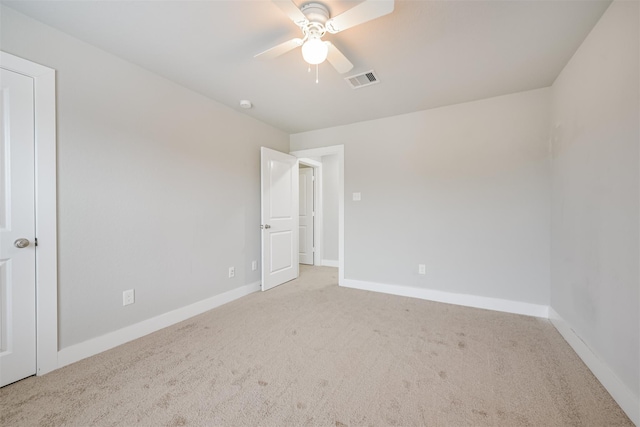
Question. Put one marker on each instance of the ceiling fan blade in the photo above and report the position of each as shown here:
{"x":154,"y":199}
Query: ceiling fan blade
{"x":364,"y":12}
{"x":279,"y":49}
{"x":292,"y":11}
{"x":337,"y":59}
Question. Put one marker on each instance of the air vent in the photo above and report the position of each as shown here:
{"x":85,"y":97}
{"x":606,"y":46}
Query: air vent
{"x":361,"y":80}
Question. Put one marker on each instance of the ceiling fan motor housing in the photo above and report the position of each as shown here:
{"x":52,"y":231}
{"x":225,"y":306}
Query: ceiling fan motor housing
{"x":315,"y":12}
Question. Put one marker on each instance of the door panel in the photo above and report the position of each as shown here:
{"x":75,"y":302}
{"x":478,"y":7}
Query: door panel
{"x":280,"y":187}
{"x":306,"y":230}
{"x":279,"y":216}
{"x":17,"y":221}
{"x":281,"y":248}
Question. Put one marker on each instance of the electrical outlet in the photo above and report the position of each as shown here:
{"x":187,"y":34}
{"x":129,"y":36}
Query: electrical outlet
{"x":232,"y":272}
{"x":422,"y":269}
{"x":254,"y":265}
{"x":128,"y":297}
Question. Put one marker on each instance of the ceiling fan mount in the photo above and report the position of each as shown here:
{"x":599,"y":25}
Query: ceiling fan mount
{"x":313,"y":30}
{"x":315,"y":21}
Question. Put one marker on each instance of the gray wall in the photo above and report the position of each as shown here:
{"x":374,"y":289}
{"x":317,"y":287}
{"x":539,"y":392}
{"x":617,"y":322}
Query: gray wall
{"x":594,"y":275}
{"x":158,"y":187}
{"x":330,"y":207}
{"x":463,"y":189}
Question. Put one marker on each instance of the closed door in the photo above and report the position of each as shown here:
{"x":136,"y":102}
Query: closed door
{"x":279,"y":214}
{"x":17,"y":229}
{"x":306,"y":213}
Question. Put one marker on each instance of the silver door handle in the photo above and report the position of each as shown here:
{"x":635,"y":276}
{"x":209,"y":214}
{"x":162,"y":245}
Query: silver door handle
{"x":21,"y":243}
{"x":265,"y":226}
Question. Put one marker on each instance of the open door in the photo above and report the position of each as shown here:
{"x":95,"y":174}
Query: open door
{"x":279,"y":217}
{"x":17,"y":228}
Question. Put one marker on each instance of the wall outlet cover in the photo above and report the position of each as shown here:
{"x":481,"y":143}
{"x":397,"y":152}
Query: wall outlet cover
{"x":128,"y":297}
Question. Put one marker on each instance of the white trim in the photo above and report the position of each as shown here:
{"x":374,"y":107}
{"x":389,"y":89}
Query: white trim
{"x":339,"y":151}
{"x":466,"y":300}
{"x":622,"y":394}
{"x":319,"y":217}
{"x":113,"y":339}
{"x":330,"y":263}
{"x":45,"y":182}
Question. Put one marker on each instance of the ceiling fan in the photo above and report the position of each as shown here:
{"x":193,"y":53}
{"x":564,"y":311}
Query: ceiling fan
{"x":314,"y":20}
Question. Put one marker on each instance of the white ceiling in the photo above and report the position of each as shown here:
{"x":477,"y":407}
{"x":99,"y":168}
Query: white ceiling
{"x":426,"y":53}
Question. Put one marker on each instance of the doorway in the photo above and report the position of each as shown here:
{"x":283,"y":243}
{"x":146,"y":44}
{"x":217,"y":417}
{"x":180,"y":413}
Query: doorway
{"x":310,"y":212}
{"x":316,"y":155}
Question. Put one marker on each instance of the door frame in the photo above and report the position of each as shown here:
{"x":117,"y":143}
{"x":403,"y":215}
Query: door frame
{"x":317,"y":208}
{"x":339,"y":151}
{"x":44,"y":79}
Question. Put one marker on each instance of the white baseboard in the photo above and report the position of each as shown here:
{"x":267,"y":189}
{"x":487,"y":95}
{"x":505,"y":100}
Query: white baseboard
{"x":330,"y":263}
{"x":629,"y":403}
{"x":113,"y":339}
{"x":487,"y":303}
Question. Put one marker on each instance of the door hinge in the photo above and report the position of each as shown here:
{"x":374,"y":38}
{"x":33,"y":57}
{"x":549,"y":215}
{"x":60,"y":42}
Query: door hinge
{"x":313,"y":214}
{"x":35,"y":241}
{"x":313,"y":178}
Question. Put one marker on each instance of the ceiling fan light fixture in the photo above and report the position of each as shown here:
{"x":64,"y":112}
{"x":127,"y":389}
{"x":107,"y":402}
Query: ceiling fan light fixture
{"x":315,"y":51}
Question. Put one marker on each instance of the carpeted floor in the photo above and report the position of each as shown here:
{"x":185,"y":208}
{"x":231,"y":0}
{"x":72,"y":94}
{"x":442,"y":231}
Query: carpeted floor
{"x":311,"y":353}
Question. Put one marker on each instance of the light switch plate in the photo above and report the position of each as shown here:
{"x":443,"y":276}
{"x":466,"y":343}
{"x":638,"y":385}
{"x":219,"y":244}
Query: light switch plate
{"x":357,"y":197}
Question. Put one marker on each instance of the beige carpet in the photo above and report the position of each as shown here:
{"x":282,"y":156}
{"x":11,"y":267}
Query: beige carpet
{"x":311,"y":353}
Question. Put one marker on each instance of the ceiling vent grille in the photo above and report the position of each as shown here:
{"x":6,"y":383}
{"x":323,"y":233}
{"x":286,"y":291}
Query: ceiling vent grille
{"x":361,"y":80}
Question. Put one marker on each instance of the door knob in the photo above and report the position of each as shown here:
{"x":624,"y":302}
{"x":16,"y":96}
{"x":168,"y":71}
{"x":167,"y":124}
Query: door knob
{"x":21,"y":243}
{"x":267,"y":226}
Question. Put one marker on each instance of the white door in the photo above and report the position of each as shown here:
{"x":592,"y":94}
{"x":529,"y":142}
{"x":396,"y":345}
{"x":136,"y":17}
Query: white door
{"x":306,"y":216}
{"x":279,"y":216}
{"x":17,"y":228}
